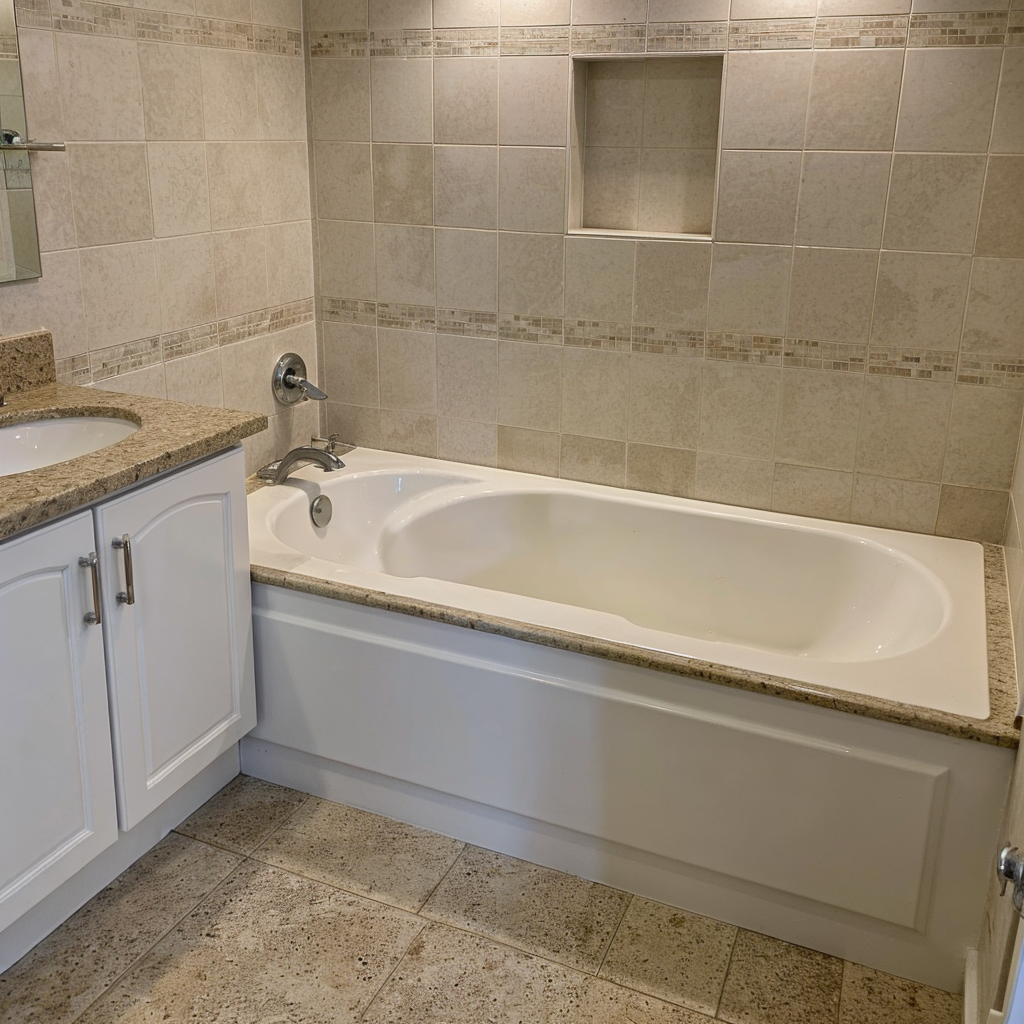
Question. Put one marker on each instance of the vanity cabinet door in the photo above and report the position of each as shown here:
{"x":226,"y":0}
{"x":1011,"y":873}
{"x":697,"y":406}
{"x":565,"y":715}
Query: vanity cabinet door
{"x":179,"y":631}
{"x":56,"y":778}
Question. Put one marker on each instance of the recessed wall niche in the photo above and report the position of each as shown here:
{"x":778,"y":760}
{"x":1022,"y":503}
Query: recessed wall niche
{"x":644,"y":145}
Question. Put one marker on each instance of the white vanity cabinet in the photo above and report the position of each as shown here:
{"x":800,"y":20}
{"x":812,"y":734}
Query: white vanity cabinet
{"x":136,"y":705}
{"x":177,"y":622}
{"x":56,"y":774}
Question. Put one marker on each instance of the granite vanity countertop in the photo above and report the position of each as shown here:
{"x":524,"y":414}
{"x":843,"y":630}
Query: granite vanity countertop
{"x":998,"y":729}
{"x":170,"y":434}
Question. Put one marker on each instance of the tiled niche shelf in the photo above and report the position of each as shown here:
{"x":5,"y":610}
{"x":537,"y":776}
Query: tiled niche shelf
{"x":644,"y":145}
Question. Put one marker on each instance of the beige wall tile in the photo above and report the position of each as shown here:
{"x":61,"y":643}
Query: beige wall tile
{"x":972,"y":514}
{"x":984,"y":429}
{"x":533,"y":101}
{"x":285,"y":185}
{"x":766,"y":100}
{"x":240,"y":264}
{"x":672,"y":283}
{"x":595,"y":392}
{"x":282,"y":13}
{"x":840,"y":8}
{"x":757,"y":195}
{"x":186,"y":279}
{"x":466,"y":186}
{"x":347,"y":262}
{"x":104,"y":212}
{"x":662,"y":470}
{"x":529,"y":385}
{"x":414,"y":433}
{"x":467,"y":378}
{"x":51,"y":189}
{"x":400,"y":14}
{"x":739,"y":407}
{"x":120,"y":293}
{"x":1008,"y":128}
{"x":467,"y":441}
{"x":750,"y":289}
{"x":401,"y":94}
{"x":148,"y":382}
{"x":466,"y":101}
{"x":534,"y":12}
{"x":100,"y":88}
{"x":1001,"y":227}
{"x":733,"y":481}
{"x":822,"y":493}
{"x":615,"y":94}
{"x":664,"y":399}
{"x":530,"y":274}
{"x":531,"y":189}
{"x":903,"y":428}
{"x":682,"y":102}
{"x":344,"y":186}
{"x":831,"y":294}
{"x":281,"y":96}
{"x":467,"y":268}
{"x":354,"y":424}
{"x":854,"y":98}
{"x":172,"y":91}
{"x":195,"y":379}
{"x":41,"y":83}
{"x":405,"y":264}
{"x":933,"y":202}
{"x":350,"y":356}
{"x":677,"y":190}
{"x":592,"y":460}
{"x":528,"y":451}
{"x":234,"y":10}
{"x":340,"y":99}
{"x":995,"y":308}
{"x":229,"y":94}
{"x":819,"y":417}
{"x":181,"y":196}
{"x":895,"y":504}
{"x":246,"y":368}
{"x":947,"y":101}
{"x":403,"y":184}
{"x":920,"y":300}
{"x":611,"y":193}
{"x":465,"y":13}
{"x":408,"y":370}
{"x":842,"y":199}
{"x":599,"y":278}
{"x":235,"y":183}
{"x":687,"y":10}
{"x":289,"y":262}
{"x":608,"y":12}
{"x":772,"y":9}
{"x":337,"y":15}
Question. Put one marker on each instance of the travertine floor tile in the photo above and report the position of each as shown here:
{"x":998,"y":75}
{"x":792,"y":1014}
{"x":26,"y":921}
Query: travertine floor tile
{"x":58,"y":979}
{"x":555,"y":915}
{"x":242,"y":814}
{"x":605,"y":1003}
{"x":871,"y":997}
{"x":361,"y":852}
{"x":266,"y":946}
{"x":670,"y":954}
{"x":775,"y":982}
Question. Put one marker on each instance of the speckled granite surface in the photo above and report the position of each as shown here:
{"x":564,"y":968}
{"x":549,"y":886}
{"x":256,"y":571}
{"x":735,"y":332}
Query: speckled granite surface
{"x":26,"y":361}
{"x":997,"y":729}
{"x":170,"y":435}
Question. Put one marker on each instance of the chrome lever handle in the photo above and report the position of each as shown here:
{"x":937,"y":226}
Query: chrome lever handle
{"x":126,"y":596}
{"x":93,"y":618}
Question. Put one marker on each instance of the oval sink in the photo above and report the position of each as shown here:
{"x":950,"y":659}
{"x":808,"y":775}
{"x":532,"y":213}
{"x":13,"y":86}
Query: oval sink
{"x":38,"y":443}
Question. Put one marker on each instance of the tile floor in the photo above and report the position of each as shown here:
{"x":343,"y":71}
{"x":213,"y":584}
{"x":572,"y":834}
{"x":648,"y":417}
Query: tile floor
{"x":268,"y":906}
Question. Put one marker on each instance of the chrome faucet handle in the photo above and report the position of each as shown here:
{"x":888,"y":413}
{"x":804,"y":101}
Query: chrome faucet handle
{"x":330,"y":442}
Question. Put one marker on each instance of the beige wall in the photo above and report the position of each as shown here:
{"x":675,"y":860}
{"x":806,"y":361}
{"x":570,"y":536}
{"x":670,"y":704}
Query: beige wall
{"x":175,"y":231}
{"x":846,"y":347}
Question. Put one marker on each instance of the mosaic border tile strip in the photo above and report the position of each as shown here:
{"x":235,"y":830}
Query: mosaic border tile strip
{"x":132,"y":355}
{"x":990,"y":371}
{"x":918,"y":364}
{"x":470,"y":323}
{"x":775,"y":34}
{"x":982,"y":28}
{"x":88,"y":17}
{"x":466,"y":42}
{"x":824,"y":355}
{"x":404,"y":317}
{"x":856,"y":33}
{"x":599,"y":334}
{"x":167,"y":28}
{"x":8,"y":47}
{"x":681,"y":37}
{"x":33,"y":14}
{"x":339,"y":44}
{"x":744,"y":348}
{"x":190,"y":341}
{"x":1015,"y":29}
{"x":545,"y":330}
{"x":402,"y":42}
{"x":533,"y":41}
{"x":660,"y":340}
{"x":349,"y":311}
{"x":284,"y":41}
{"x":608,"y":39}
{"x":74,"y":369}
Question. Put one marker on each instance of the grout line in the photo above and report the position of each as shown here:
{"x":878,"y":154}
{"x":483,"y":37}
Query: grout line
{"x":728,"y":967}
{"x":615,"y":934}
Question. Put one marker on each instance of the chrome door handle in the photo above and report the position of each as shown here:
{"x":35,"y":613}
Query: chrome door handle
{"x":126,"y":596}
{"x":93,"y":618}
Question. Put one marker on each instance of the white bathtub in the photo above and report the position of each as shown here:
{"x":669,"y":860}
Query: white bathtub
{"x":894,"y":615}
{"x":847,"y":833}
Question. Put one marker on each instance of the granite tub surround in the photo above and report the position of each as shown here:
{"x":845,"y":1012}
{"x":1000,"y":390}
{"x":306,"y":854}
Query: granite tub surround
{"x":487,"y":937}
{"x":169,"y":435}
{"x":998,"y":729}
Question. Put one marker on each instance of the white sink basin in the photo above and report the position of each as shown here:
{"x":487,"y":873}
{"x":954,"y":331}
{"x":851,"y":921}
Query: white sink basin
{"x":25,"y":446}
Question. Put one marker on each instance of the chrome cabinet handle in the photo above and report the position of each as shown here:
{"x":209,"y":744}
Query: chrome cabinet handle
{"x":126,"y":596}
{"x":93,"y":618}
